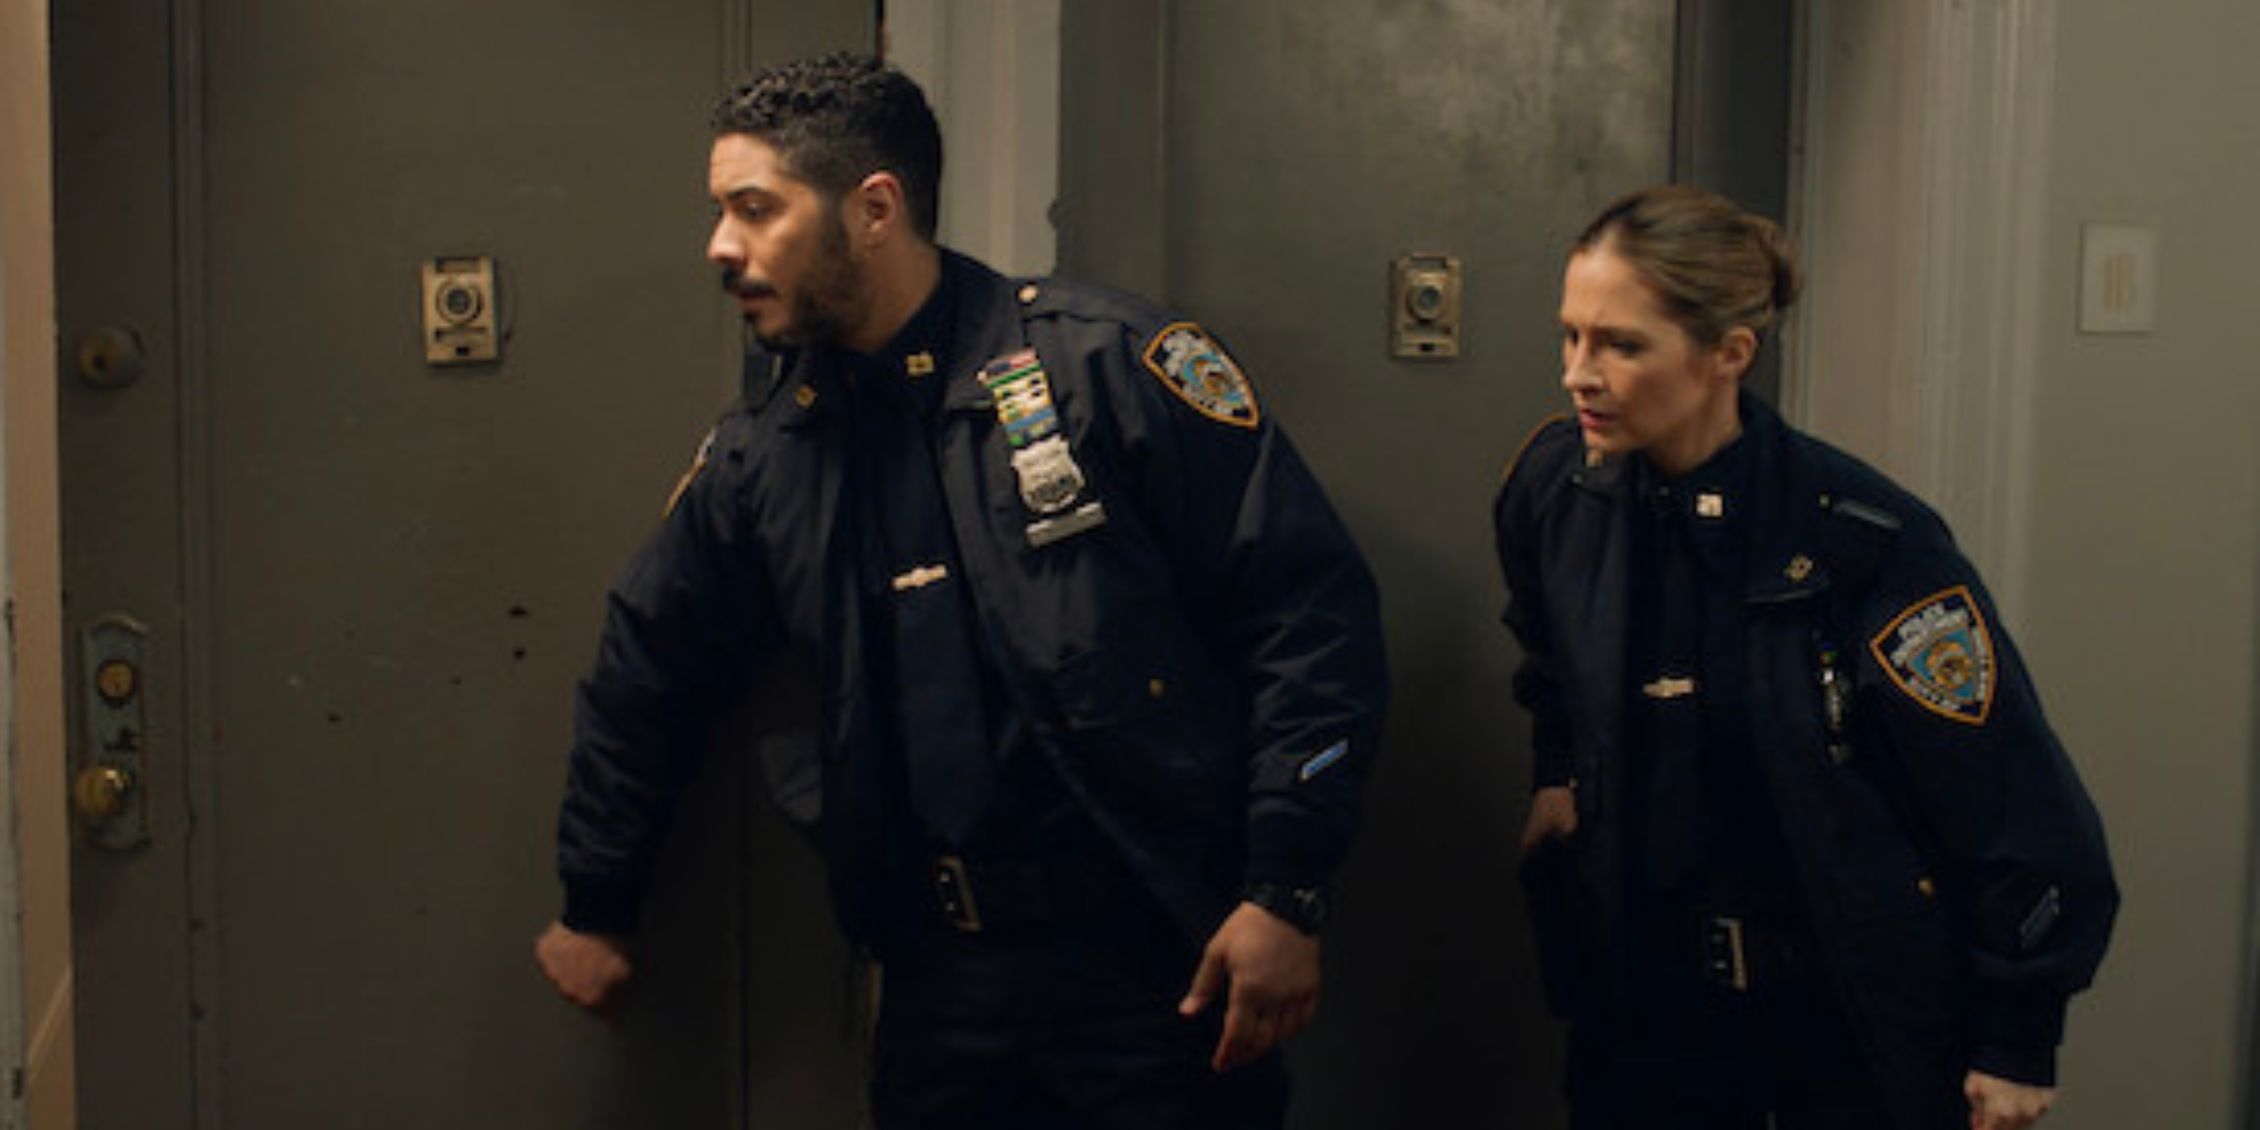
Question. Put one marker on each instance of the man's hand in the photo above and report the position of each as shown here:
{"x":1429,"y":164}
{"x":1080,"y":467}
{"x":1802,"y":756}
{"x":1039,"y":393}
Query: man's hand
{"x":1553,"y":816}
{"x":588,"y":969}
{"x":1269,"y":970}
{"x":1998,"y":1104}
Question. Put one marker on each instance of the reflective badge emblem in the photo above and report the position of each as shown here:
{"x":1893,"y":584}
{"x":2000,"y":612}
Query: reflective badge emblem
{"x":1941,"y":654}
{"x":1050,"y":479}
{"x":1192,"y":365}
{"x":698,"y":464}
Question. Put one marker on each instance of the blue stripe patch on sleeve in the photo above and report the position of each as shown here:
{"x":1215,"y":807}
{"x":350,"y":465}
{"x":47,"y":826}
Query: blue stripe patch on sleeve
{"x":1323,"y":760}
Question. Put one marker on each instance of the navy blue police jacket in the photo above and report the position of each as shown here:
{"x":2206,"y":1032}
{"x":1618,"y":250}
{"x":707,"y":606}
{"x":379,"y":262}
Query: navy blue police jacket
{"x":1947,"y":856}
{"x":1203,"y":670}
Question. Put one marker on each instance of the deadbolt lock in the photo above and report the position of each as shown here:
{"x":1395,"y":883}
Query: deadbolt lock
{"x":111,"y":357}
{"x":1424,"y":306}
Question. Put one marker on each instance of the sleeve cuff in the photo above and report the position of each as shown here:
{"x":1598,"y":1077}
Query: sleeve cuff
{"x":2016,"y":1039}
{"x":1550,"y":766}
{"x":602,"y":906}
{"x":2033,"y":1066}
{"x":1287,"y":852}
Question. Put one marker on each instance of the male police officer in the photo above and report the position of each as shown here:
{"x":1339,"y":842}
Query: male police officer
{"x":1101,"y":670}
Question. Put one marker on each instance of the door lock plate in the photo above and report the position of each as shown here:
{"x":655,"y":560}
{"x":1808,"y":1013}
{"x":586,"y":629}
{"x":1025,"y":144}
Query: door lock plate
{"x":459,"y":310}
{"x":1424,"y":306}
{"x":114,"y":746}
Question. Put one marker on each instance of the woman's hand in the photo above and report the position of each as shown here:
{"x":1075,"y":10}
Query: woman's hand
{"x":1553,"y":816}
{"x":1998,"y":1104}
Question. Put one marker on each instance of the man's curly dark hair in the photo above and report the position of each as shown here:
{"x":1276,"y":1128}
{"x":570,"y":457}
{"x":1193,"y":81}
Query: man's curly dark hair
{"x":837,"y":119}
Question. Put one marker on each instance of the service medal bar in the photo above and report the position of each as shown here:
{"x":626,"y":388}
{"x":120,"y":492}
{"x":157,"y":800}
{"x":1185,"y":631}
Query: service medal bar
{"x":1023,"y":396}
{"x":1050,"y":480}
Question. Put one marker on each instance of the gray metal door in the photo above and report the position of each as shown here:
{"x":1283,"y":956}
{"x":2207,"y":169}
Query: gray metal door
{"x":368,"y":583}
{"x":1261,"y":164}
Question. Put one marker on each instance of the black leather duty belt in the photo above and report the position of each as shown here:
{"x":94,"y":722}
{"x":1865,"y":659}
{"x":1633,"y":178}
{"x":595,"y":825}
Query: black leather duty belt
{"x":975,"y":895}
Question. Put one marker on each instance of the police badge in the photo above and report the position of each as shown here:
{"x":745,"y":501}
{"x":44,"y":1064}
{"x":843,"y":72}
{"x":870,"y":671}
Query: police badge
{"x":1191,"y":364}
{"x":1050,"y":480}
{"x":1940,"y":654}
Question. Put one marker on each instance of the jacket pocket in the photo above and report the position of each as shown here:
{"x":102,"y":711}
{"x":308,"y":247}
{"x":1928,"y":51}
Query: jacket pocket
{"x":1145,"y":732}
{"x":1107,"y":688}
{"x":1897,"y":949}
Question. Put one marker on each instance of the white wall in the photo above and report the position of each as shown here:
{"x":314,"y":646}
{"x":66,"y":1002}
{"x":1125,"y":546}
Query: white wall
{"x":2124,"y":528}
{"x":2146,"y":538}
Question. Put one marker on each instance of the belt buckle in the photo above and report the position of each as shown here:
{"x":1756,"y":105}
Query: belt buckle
{"x":1725,"y":959}
{"x":953,"y":892}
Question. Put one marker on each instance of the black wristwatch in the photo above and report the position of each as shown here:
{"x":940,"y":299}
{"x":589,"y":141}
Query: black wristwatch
{"x":1304,"y":908}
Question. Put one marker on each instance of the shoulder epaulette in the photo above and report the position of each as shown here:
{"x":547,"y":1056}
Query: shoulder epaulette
{"x":1052,"y":296}
{"x":1861,"y":512}
{"x":1858,"y":536}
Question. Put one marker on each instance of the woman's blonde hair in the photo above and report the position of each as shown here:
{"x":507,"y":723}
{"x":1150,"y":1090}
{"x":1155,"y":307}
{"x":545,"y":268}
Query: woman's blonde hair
{"x":1713,"y":265}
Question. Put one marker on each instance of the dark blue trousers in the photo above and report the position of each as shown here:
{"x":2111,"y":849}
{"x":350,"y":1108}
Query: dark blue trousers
{"x":1065,"y":1026}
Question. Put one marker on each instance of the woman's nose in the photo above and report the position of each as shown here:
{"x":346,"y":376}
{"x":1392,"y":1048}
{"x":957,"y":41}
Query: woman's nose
{"x":1577,"y":371}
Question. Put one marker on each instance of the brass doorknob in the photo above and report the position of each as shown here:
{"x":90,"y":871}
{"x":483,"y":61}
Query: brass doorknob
{"x":101,"y":791}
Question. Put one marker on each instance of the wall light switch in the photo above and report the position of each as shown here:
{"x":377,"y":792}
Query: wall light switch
{"x":2118,"y":279}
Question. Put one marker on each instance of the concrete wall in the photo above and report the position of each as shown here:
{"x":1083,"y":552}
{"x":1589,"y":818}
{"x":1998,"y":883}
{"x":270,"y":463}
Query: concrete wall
{"x":34,"y":700}
{"x":2131,"y":542}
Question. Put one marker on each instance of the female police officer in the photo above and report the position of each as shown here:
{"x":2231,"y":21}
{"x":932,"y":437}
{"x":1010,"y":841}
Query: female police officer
{"x":1803,"y":850}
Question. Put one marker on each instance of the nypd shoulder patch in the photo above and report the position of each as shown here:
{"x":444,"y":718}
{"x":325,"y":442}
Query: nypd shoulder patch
{"x":1191,"y":364}
{"x":1940,"y":653}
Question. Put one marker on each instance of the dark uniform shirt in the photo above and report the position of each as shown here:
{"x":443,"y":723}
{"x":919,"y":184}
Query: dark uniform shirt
{"x":1703,"y":840}
{"x":1705,"y":825}
{"x":967,"y":768}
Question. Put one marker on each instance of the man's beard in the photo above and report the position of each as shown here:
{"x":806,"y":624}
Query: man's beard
{"x":830,"y":299}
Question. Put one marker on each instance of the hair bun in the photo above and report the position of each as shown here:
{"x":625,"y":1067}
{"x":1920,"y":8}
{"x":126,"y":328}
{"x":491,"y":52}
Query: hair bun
{"x":1788,"y":280}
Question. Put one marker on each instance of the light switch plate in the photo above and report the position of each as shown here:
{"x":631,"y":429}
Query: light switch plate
{"x":2118,"y":279}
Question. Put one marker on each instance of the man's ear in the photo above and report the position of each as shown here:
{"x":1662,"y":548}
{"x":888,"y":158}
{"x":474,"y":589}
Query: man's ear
{"x":874,"y":208}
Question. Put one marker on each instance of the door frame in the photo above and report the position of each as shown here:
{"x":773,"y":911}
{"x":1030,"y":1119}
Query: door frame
{"x":1920,"y":171}
{"x":36,"y":1043}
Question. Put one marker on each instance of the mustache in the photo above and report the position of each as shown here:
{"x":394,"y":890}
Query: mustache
{"x":734,"y":281}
